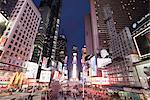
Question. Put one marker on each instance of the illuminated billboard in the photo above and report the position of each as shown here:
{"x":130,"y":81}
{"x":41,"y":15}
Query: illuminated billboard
{"x":17,"y":79}
{"x":100,"y":81}
{"x":102,"y":62}
{"x":93,"y":66}
{"x":142,"y":35}
{"x":142,"y":42}
{"x":31,"y":69}
{"x":143,"y":70}
{"x":60,"y":66}
{"x":57,"y":75}
{"x":44,"y":62}
{"x":45,"y":76}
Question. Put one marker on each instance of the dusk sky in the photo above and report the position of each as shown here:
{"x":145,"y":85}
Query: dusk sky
{"x":72,"y":23}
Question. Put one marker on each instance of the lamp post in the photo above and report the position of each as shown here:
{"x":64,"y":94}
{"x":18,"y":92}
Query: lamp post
{"x":83,"y":81}
{"x":83,"y":69}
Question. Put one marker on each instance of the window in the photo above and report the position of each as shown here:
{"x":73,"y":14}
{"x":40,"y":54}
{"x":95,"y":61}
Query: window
{"x":9,"y":46}
{"x":14,"y":35}
{"x":21,"y":40}
{"x":17,"y":50}
{"x":19,"y":34}
{"x":16,"y":31}
{"x":14,"y":49}
{"x":11,"y":54}
{"x":19,"y":45}
{"x":16,"y":43}
{"x":12,"y":41}
{"x":17,"y":38}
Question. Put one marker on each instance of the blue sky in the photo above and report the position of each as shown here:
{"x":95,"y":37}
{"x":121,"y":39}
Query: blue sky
{"x":72,"y":23}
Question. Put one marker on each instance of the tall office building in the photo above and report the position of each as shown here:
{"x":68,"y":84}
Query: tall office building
{"x":61,"y":50}
{"x":20,"y":34}
{"x":88,"y":35}
{"x":124,"y":13}
{"x":109,"y":19}
{"x":52,"y":30}
{"x":6,"y":7}
{"x":98,"y":24}
{"x":39,"y":50}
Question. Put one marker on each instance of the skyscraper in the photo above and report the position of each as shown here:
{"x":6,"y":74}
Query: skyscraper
{"x":124,"y":13}
{"x":61,"y":50}
{"x":88,"y":34}
{"x":39,"y":50}
{"x":20,"y":33}
{"x":52,"y":30}
{"x":110,"y":19}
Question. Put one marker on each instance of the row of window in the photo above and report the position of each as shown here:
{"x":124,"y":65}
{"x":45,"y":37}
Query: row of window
{"x":17,"y":50}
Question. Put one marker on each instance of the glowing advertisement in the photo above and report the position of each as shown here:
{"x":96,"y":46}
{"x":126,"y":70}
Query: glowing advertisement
{"x":59,"y":67}
{"x":44,"y":63}
{"x":17,"y":79}
{"x":93,"y":66}
{"x":57,"y":75}
{"x":102,"y":62}
{"x":100,"y":80}
{"x":45,"y":76}
{"x":5,"y":77}
{"x":31,"y":69}
{"x":2,"y":41}
{"x":144,"y":74}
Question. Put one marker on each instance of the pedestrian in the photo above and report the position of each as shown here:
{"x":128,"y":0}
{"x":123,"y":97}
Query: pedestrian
{"x":30,"y":97}
{"x":65,"y":98}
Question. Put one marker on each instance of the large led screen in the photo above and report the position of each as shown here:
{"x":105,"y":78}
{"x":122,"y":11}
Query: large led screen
{"x":93,"y":66}
{"x":45,"y":76}
{"x":142,"y":42}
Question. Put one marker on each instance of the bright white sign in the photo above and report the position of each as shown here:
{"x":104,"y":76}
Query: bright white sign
{"x":102,"y":62}
{"x":32,"y":69}
{"x":45,"y":76}
{"x":100,"y":80}
{"x":60,"y":66}
{"x":93,"y":66}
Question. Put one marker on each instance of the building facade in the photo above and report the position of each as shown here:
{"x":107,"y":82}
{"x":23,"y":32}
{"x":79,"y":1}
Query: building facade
{"x":52,"y":30}
{"x":39,"y":50}
{"x":61,"y":50}
{"x":20,"y":33}
{"x":110,"y":20}
{"x":88,"y":35}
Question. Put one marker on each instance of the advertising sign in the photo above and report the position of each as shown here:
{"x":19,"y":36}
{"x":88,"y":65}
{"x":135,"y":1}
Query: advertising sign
{"x":57,"y":75}
{"x":93,"y":66}
{"x":44,"y":62}
{"x":5,"y":77}
{"x":102,"y":62}
{"x":142,"y":42}
{"x":32,"y":69}
{"x":143,"y":70}
{"x":60,"y":66}
{"x":100,"y":80}
{"x":45,"y":76}
{"x":2,"y":41}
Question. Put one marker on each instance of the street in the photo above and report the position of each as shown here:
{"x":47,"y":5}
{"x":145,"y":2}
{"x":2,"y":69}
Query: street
{"x":59,"y":96}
